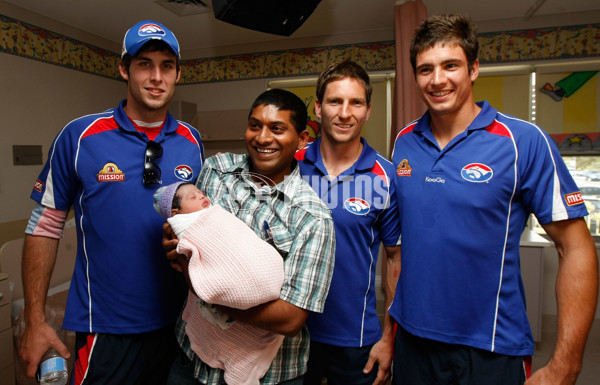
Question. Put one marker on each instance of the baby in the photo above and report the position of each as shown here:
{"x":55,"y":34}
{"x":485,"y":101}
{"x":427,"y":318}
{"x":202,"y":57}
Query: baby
{"x":229,"y":265}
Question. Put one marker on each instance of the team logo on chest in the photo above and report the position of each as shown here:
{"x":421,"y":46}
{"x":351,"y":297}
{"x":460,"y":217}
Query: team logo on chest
{"x":184,"y":172}
{"x":477,"y":173}
{"x":357,"y":206}
{"x":110,"y":173}
{"x":404,"y":168}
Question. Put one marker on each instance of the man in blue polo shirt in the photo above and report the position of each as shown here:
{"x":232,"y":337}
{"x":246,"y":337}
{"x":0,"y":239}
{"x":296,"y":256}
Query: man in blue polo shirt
{"x":347,"y":345}
{"x":467,"y":179}
{"x":124,"y":297}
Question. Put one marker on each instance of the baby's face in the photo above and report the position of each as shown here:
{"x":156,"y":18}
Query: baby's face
{"x":192,"y":199}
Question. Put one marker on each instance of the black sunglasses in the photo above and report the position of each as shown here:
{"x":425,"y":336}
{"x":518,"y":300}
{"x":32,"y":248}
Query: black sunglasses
{"x":151,"y":170}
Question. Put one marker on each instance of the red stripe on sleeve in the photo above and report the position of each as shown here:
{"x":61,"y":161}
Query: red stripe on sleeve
{"x":185,"y":132}
{"x":380,"y":172}
{"x":100,"y":125}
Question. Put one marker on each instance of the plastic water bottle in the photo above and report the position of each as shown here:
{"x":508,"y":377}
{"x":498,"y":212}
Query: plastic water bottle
{"x":53,"y":369}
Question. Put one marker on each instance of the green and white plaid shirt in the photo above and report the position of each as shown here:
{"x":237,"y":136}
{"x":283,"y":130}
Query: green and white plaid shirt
{"x":302,"y":230}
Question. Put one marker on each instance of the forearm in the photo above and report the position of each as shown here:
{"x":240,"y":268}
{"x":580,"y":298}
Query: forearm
{"x":39,"y":256}
{"x":382,"y":352}
{"x":576,"y":295}
{"x":391,"y":272}
{"x":276,"y":316}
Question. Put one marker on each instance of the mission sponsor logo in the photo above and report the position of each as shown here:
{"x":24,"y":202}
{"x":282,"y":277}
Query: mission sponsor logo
{"x":184,"y":172}
{"x":477,"y":173}
{"x":574,"y":198}
{"x":404,"y":168}
{"x":357,"y":206}
{"x":38,"y":185}
{"x":110,"y":173}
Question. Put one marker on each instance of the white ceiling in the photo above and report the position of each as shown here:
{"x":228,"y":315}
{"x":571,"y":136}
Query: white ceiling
{"x":109,"y":19}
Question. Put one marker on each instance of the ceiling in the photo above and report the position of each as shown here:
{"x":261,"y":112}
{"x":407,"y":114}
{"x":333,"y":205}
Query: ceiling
{"x":109,"y":19}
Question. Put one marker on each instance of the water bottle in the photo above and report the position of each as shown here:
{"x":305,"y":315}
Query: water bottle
{"x":53,"y":369}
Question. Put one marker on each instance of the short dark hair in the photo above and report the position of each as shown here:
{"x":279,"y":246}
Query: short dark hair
{"x":449,"y":29}
{"x":151,"y":46}
{"x":345,"y":69}
{"x":176,"y":204}
{"x":284,"y":101}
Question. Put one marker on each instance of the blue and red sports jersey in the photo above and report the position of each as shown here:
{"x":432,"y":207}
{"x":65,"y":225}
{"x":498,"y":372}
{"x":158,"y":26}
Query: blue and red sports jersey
{"x":463,"y":210}
{"x":122,"y":282}
{"x":363,"y":207}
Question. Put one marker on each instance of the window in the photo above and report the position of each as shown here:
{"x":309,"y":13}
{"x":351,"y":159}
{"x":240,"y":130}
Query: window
{"x":564,"y":100}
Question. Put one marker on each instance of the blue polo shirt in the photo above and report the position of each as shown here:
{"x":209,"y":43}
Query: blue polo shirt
{"x":363,"y":207}
{"x":122,"y":282}
{"x":463,"y":210}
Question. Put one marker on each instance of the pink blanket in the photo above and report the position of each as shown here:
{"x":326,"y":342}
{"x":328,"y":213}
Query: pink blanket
{"x":231,"y":266}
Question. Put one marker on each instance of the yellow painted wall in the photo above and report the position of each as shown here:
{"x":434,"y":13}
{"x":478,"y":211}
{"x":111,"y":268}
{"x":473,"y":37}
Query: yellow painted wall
{"x":508,"y":94}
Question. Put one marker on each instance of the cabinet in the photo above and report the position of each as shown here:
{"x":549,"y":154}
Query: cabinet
{"x":223,"y":131}
{"x":7,"y":367}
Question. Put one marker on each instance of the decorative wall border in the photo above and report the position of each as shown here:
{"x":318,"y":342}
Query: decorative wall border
{"x":567,"y":42}
{"x":379,"y":56}
{"x":26,"y":40}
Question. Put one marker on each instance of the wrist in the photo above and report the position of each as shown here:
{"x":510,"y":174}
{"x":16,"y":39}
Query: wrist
{"x":565,"y":369}
{"x":34,"y":318}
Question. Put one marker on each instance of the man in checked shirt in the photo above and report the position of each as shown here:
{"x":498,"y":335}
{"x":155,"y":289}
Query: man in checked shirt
{"x":265,"y":190}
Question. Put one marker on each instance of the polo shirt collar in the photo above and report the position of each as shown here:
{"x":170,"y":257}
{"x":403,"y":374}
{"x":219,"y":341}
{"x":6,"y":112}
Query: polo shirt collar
{"x":486,"y":116}
{"x":171,"y":124}
{"x":365,"y":161}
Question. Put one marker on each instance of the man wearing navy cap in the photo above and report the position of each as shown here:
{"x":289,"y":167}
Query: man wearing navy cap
{"x":124,"y":297}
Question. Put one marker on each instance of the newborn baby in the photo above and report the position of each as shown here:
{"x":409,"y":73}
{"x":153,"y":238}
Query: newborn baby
{"x":229,"y":265}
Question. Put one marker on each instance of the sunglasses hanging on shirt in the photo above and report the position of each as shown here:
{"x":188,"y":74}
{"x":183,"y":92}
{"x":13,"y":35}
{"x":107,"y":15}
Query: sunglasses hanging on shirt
{"x":151,"y":170}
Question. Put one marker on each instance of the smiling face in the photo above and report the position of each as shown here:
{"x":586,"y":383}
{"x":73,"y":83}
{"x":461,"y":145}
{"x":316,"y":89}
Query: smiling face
{"x":151,"y":79}
{"x":272,"y":141}
{"x":191,"y":199}
{"x":343,"y":110}
{"x":445,"y":79}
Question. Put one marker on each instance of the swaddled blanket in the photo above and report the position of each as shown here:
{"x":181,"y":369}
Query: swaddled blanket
{"x":231,"y":266}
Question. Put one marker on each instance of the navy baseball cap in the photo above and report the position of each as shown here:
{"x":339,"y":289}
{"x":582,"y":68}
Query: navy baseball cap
{"x":143,"y":32}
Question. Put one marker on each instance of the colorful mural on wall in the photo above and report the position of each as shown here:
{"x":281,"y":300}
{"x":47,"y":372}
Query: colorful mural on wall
{"x":568,"y":108}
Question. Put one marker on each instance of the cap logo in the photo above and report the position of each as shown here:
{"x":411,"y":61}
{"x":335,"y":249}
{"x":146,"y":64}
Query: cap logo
{"x":149,"y":30}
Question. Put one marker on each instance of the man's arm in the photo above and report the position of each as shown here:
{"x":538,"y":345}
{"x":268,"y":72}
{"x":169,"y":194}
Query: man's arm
{"x":576,"y":296}
{"x":311,"y":258}
{"x":39,"y":256}
{"x":277,"y":316}
{"x":178,"y":261}
{"x":383,"y":351}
